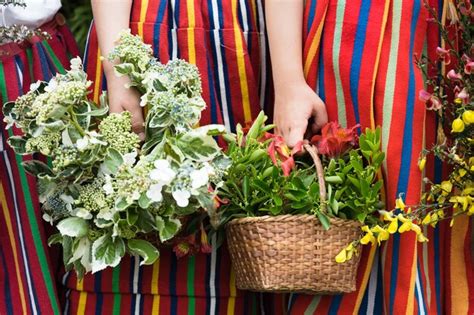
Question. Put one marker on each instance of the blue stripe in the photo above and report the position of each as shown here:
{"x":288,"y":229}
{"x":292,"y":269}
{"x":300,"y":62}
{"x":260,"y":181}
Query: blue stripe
{"x":217,"y":278}
{"x":86,"y":50}
{"x":291,"y":301}
{"x":378,"y":306}
{"x":157,"y":28}
{"x":408,"y":129}
{"x":394,"y":273}
{"x":170,"y":26}
{"x":359,"y":43}
{"x":421,"y":304}
{"x":221,"y":15}
{"x":98,"y":289}
{"x":312,"y":11}
{"x":46,"y":64}
{"x":335,"y":303}
{"x":6,"y":284}
{"x":172,"y":285}
{"x":321,"y":86}
{"x":207,"y":285}
{"x":212,"y":91}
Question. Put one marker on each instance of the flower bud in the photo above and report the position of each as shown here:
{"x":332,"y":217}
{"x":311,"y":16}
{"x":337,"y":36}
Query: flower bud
{"x":457,"y":125}
{"x":468,"y":117}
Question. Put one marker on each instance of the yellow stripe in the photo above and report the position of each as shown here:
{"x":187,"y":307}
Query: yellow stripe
{"x":365,"y":279}
{"x":377,"y":59}
{"x":143,"y":10}
{"x":233,"y":293}
{"x":11,"y":236}
{"x":411,"y":291}
{"x":240,"y":53}
{"x":98,"y":77}
{"x":459,"y":285}
{"x":192,"y":22}
{"x":314,"y":46}
{"x":154,"y":287}
{"x":81,"y":307}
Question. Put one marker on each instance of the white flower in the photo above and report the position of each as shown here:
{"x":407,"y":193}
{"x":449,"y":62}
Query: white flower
{"x":199,"y":178}
{"x":94,"y":138}
{"x":135,"y":195}
{"x":52,"y":85}
{"x":154,"y":192}
{"x":144,"y":100}
{"x":108,"y":188}
{"x":181,"y":197}
{"x":35,"y":86}
{"x":162,"y":172}
{"x":68,"y":200}
{"x":130,"y":158}
{"x":76,"y":63}
{"x":48,"y":218}
{"x":82,"y":144}
{"x":83,"y":213}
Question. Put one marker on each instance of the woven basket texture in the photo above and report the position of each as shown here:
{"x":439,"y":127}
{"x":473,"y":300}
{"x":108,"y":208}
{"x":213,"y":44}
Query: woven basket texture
{"x":292,"y":253}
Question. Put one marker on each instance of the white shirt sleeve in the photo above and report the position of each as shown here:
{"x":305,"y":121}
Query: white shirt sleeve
{"x":35,"y":14}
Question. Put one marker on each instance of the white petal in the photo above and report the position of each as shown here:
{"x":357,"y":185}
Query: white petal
{"x":83,"y":213}
{"x":161,"y":164}
{"x":130,"y":158}
{"x":81,"y":144}
{"x":154,"y":192}
{"x":181,"y":197}
{"x":35,"y":86}
{"x":108,"y":188}
{"x":135,"y":195}
{"x":199,"y":178}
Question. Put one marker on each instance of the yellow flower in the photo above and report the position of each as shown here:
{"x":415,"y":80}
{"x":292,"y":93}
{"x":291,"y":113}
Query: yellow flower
{"x":341,"y":257}
{"x":457,"y":100}
{"x":382,"y":234}
{"x":471,"y":210}
{"x":368,"y":237}
{"x":468,"y":117}
{"x":350,"y":251}
{"x":422,"y":164}
{"x":393,"y":226}
{"x":446,"y":186}
{"x":406,"y":225}
{"x":427,"y":219}
{"x":457,"y":125}
{"x":421,"y":238}
{"x":399,"y":204}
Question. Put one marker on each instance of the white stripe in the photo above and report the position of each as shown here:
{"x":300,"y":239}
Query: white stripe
{"x":263,"y":53}
{"x":66,"y":307}
{"x":243,"y":9}
{"x":212,"y":280}
{"x":136,"y":278}
{"x":373,"y":283}
{"x":220,"y":66}
{"x":174,"y":38}
{"x":421,"y":302}
{"x":341,"y":113}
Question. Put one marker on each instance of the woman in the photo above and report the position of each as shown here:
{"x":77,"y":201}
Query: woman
{"x":225,"y":39}
{"x":359,"y":58}
{"x":27,"y":270}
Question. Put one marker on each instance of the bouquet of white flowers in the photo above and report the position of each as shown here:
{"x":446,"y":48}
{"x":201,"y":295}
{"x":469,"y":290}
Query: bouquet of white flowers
{"x":106,"y":192}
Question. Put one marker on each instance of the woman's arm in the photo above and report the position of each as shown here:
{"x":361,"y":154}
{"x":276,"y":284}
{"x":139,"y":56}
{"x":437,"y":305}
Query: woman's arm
{"x":110,"y":18}
{"x":295,"y":101}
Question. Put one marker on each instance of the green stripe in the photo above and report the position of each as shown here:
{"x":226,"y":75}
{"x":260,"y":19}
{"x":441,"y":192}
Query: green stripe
{"x":29,"y":57}
{"x":390,"y":75}
{"x":116,"y":290}
{"x":254,"y":304}
{"x":55,"y":59}
{"x":33,"y":224}
{"x":336,"y":48}
{"x":192,"y":298}
{"x":313,"y":305}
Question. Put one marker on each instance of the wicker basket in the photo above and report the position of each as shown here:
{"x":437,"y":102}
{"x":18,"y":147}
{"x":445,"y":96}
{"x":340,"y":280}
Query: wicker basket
{"x":293,"y":252}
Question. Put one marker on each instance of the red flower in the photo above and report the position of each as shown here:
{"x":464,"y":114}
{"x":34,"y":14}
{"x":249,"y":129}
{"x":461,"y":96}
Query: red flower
{"x":205,"y":246}
{"x":184,"y":246}
{"x":335,"y":140}
{"x":279,"y":151}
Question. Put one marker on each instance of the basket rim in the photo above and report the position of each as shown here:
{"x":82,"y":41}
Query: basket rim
{"x":291,"y":217}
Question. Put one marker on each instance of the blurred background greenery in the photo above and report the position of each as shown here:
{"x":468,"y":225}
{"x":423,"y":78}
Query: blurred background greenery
{"x":78,"y":14}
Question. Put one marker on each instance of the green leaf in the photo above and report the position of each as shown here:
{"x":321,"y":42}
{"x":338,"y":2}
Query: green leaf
{"x":167,"y":228}
{"x":324,"y":220}
{"x":8,"y":108}
{"x":144,"y":202}
{"x":56,"y":238}
{"x":73,"y":226}
{"x":333,"y":179}
{"x":144,"y":249}
{"x":35,"y":168}
{"x":102,"y":111}
{"x":198,"y":148}
{"x":18,"y":144}
{"x":124,"y":69}
{"x":112,"y":161}
{"x":106,"y":252}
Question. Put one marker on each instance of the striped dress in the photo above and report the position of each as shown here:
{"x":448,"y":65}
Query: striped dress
{"x":27,"y":266}
{"x":359,"y":57}
{"x":226,"y":40}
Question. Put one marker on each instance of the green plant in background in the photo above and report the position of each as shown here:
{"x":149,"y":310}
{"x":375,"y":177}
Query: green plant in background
{"x":79,"y":16}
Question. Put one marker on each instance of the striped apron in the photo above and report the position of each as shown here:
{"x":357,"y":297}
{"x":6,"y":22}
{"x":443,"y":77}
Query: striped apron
{"x":359,"y":57}
{"x":27,"y":266}
{"x":226,"y":40}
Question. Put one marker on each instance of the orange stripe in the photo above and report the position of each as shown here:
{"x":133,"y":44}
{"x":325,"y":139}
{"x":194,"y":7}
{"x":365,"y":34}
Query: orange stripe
{"x":411,"y":291}
{"x":365,"y":279}
{"x":98,"y":76}
{"x":192,"y":22}
{"x":11,"y":236}
{"x":314,"y":45}
{"x":457,"y":267}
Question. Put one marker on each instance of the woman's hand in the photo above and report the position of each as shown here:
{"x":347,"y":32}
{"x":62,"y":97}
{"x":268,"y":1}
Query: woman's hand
{"x":294,"y":106}
{"x":122,"y":99}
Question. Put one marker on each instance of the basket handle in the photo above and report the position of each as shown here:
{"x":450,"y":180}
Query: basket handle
{"x":313,"y":151}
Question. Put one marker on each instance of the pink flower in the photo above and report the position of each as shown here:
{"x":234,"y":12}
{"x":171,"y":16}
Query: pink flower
{"x":452,"y":75}
{"x":444,"y":55}
{"x":463,"y":95}
{"x":279,"y":152}
{"x":431,"y":101}
{"x":424,"y":96}
{"x":334,"y":140}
